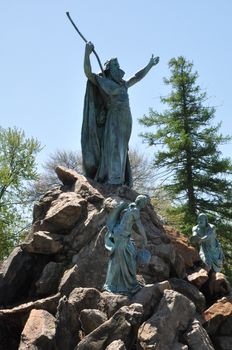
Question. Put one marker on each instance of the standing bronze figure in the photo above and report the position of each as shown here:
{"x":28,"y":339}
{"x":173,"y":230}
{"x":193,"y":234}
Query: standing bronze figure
{"x":123,"y":254}
{"x":107,"y":121}
{"x":210,"y":249}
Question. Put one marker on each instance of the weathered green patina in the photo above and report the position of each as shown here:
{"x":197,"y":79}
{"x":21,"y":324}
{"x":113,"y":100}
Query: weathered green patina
{"x":107,"y":121}
{"x":121,"y":273}
{"x":210,"y":249}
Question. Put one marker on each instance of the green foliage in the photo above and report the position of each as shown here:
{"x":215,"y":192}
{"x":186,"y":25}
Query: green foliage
{"x":17,"y":165}
{"x":194,"y":173}
{"x":224,"y":234}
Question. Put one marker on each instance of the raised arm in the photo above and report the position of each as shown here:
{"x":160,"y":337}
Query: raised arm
{"x":143,"y":72}
{"x":87,"y":65}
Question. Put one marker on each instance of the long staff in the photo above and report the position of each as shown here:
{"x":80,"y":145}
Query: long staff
{"x":85,"y":40}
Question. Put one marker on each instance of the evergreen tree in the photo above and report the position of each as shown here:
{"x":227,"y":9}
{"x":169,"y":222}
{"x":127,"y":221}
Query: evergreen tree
{"x":194,"y":172}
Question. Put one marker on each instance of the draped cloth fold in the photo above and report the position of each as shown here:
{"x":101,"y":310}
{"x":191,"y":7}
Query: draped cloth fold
{"x":106,"y":131}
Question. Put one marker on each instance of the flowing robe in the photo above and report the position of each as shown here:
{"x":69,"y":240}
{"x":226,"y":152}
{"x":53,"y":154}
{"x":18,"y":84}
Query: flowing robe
{"x":106,"y":131}
{"x":121,"y":272}
{"x":210,"y":249}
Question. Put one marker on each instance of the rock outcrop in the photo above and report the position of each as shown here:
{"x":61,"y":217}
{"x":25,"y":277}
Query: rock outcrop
{"x":39,"y":331}
{"x":51,"y":285}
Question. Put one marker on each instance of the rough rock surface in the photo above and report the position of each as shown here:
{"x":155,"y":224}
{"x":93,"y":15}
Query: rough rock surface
{"x":217,"y":314}
{"x":39,"y":331}
{"x":59,"y":271}
{"x":218,"y":323}
{"x":110,"y":303}
{"x":116,"y":345}
{"x":197,"y":337}
{"x":122,"y":325}
{"x":50,"y":278}
{"x":189,"y":254}
{"x":18,"y":276}
{"x":43,"y":243}
{"x":219,"y":285}
{"x":14,"y":275}
{"x":13,"y":320}
{"x":66,"y":176}
{"x":199,"y":277}
{"x":223,"y":343}
{"x":150,"y":296}
{"x":64,"y":212}
{"x":190,"y":291}
{"x":173,"y":315}
{"x":90,"y":319}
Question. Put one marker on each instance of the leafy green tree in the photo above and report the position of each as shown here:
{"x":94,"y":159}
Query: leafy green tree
{"x":194,"y":172}
{"x":17,"y":166}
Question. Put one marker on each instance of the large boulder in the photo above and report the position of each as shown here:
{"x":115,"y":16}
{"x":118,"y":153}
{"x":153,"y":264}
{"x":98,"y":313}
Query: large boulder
{"x":90,"y":319}
{"x":197,"y":337}
{"x":122,"y":325}
{"x":109,"y":303}
{"x":181,"y":243}
{"x":82,"y":234}
{"x":68,"y":325}
{"x":42,"y":206}
{"x":198,"y":277}
{"x":90,"y":265}
{"x":49,"y":280}
{"x":66,"y":176}
{"x":64,"y":213}
{"x":16,"y":276}
{"x":219,"y":315}
{"x":78,"y":184}
{"x":219,"y":285}
{"x":39,"y":331}
{"x":19,"y":273}
{"x":12,"y":321}
{"x":173,"y":315}
{"x":190,"y":291}
{"x":149,"y":297}
{"x":157,"y":270}
{"x":43,"y":242}
{"x":68,"y":315}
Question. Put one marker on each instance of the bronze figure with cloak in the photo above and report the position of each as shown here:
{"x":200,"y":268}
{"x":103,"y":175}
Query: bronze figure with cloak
{"x":107,"y":121}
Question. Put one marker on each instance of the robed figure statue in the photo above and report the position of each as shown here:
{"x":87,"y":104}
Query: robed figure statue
{"x":210,"y":248}
{"x":123,"y":254}
{"x":107,"y":121}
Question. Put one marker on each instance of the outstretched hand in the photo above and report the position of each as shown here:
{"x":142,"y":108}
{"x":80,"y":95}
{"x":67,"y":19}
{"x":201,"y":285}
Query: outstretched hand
{"x":89,"y":47}
{"x":153,"y":60}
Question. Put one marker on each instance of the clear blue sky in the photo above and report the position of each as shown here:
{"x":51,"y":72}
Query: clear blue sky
{"x":42,"y":82}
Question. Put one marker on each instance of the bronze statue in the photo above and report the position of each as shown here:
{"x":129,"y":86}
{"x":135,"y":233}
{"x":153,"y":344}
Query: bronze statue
{"x":210,"y":249}
{"x":121,"y":273}
{"x":107,"y":121}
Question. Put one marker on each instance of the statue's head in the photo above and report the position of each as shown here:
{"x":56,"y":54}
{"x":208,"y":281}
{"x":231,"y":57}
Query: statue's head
{"x":202,"y":220}
{"x":141,"y":201}
{"x":112,"y":70}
